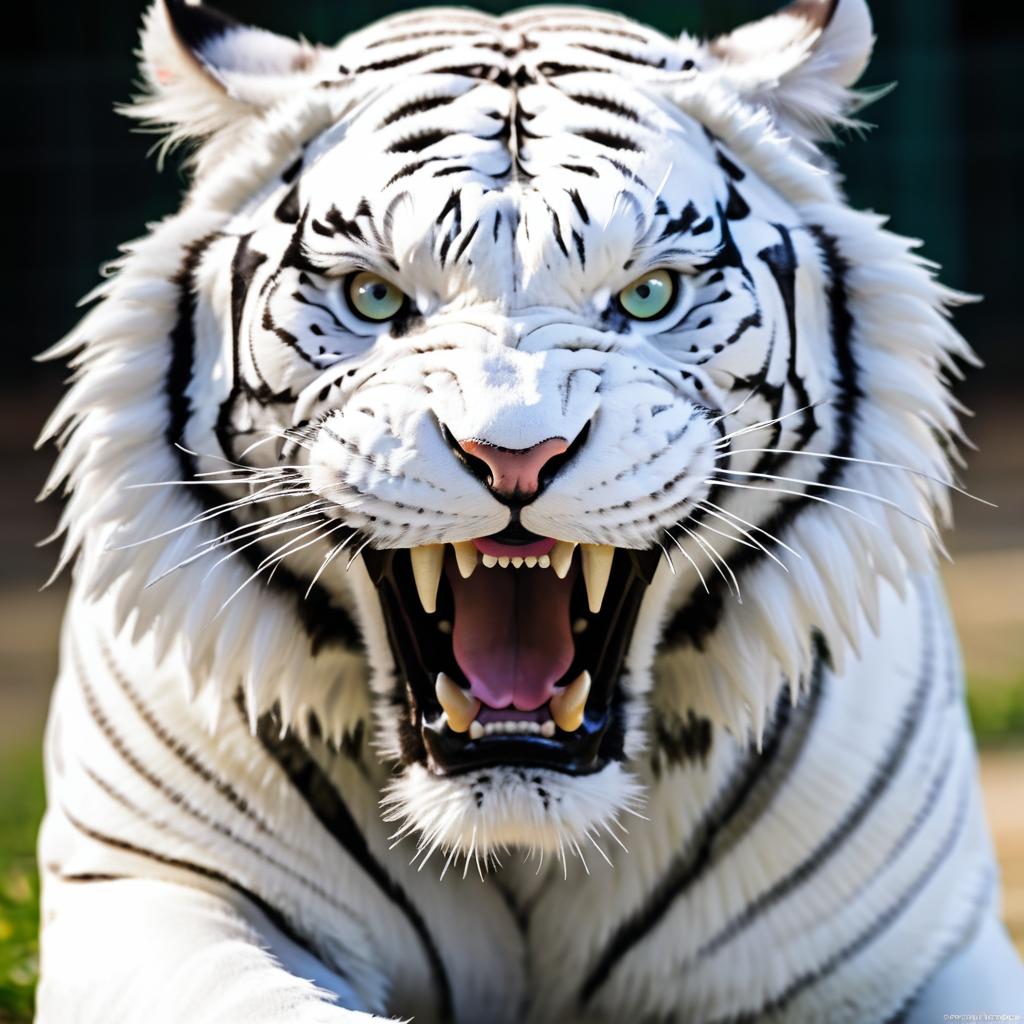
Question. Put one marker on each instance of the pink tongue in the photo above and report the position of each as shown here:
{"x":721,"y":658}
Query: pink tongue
{"x":511,"y":634}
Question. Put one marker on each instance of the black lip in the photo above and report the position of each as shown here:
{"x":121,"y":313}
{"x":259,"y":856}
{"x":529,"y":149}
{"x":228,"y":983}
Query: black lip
{"x":421,"y":650}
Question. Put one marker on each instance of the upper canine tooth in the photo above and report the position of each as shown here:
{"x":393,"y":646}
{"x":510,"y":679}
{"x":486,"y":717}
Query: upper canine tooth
{"x":427,"y":561}
{"x":567,"y":707}
{"x":460,"y":706}
{"x":561,"y":557}
{"x":466,"y":556}
{"x":597,"y":567}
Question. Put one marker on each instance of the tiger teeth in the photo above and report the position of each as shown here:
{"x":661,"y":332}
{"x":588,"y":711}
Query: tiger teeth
{"x":466,"y":557}
{"x":597,"y":567}
{"x":459,"y":706}
{"x":567,"y":707}
{"x":427,"y":561}
{"x":561,"y":557}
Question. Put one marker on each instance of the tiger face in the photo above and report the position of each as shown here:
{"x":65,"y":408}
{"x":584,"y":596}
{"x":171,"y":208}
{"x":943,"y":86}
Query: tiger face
{"x":536,"y":349}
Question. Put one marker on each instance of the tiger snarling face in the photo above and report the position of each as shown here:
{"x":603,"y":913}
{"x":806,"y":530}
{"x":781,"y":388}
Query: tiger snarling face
{"x":536,"y":348}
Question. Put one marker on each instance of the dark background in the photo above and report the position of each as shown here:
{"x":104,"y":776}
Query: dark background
{"x":946,"y":162}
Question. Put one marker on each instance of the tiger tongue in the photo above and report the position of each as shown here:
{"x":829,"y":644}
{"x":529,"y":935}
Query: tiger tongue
{"x":511,"y":634}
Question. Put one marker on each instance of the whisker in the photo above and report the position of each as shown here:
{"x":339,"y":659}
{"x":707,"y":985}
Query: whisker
{"x":867,"y":462}
{"x":668,"y":558}
{"x":752,"y":541}
{"x":799,"y":494}
{"x":210,"y":514}
{"x":750,"y":428}
{"x":328,"y":558}
{"x":703,"y":582}
{"x":359,"y":551}
{"x":739,"y":519}
{"x":320,"y":534}
{"x":719,"y":563}
{"x":833,"y":487}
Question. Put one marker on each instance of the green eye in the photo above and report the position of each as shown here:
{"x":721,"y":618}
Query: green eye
{"x":648,"y":296}
{"x":373,"y":298}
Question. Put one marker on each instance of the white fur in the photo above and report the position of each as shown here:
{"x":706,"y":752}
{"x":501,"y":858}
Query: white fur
{"x":513,"y":347}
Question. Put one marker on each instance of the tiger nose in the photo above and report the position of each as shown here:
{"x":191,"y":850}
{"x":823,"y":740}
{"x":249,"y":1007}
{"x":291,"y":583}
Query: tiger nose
{"x":514,"y":475}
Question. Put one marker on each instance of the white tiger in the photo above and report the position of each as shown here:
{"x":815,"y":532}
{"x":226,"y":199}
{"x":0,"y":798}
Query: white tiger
{"x":514,"y":459}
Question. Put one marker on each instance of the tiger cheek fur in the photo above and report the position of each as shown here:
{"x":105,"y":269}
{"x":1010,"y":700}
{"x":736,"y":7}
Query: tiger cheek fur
{"x":514,"y":445}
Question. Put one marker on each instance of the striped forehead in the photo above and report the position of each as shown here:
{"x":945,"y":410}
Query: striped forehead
{"x":539,"y":137}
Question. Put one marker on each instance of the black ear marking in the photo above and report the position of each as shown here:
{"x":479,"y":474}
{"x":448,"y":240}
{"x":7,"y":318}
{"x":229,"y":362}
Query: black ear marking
{"x":816,"y":16}
{"x":195,"y":24}
{"x":817,"y":13}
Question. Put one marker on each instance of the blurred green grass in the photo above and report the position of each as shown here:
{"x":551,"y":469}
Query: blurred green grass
{"x":21,"y":808}
{"x":997,"y":710}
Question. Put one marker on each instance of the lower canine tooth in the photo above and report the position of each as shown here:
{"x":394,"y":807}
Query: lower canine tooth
{"x":427,"y":561}
{"x":597,"y":567}
{"x":460,"y":706}
{"x":561,"y":558}
{"x":466,"y":556}
{"x":567,"y":707}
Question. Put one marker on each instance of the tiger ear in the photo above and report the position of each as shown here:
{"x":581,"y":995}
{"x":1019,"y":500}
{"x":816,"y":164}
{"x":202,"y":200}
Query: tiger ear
{"x":203,"y":71}
{"x":801,"y":62}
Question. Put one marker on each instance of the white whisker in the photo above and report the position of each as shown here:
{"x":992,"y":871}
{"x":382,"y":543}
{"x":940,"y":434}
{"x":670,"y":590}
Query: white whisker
{"x":672,"y":537}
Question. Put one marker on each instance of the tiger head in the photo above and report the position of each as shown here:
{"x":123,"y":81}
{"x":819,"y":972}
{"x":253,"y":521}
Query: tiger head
{"x":537,"y":394}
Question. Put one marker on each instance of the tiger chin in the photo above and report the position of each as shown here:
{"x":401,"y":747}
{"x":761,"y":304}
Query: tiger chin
{"x":514,"y":459}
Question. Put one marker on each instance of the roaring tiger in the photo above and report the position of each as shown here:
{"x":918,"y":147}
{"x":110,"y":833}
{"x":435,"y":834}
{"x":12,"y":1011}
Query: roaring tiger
{"x":514,"y":460}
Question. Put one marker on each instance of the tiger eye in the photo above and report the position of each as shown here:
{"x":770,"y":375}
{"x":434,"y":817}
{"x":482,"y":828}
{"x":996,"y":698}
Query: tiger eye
{"x":649,"y":295}
{"x":373,"y":298}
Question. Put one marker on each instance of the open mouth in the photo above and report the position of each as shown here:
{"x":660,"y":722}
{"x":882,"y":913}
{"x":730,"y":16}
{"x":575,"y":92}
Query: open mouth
{"x":511,"y":648}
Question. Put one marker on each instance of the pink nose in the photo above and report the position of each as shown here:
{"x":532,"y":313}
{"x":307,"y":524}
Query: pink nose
{"x":514,"y":472}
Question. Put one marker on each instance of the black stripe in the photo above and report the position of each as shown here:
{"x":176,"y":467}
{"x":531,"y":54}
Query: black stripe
{"x":419,"y":106}
{"x":176,"y":798}
{"x":423,"y":33}
{"x":878,"y":782}
{"x":881,"y":924}
{"x":604,"y":103}
{"x":466,"y":239}
{"x":330,"y":809}
{"x":621,"y":55}
{"x":277,"y":917}
{"x":394,"y":62}
{"x":695,"y":860}
{"x":324,"y":623}
{"x":979,"y":910}
{"x":699,"y":617}
{"x":177,"y":748}
{"x":418,"y":142}
{"x":609,"y":140}
{"x":86,"y":877}
{"x":577,"y":202}
{"x":597,"y":29}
